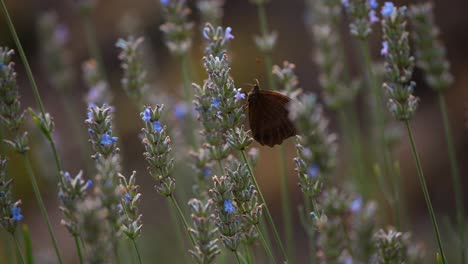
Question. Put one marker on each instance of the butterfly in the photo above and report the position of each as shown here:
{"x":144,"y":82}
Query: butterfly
{"x":269,"y":116}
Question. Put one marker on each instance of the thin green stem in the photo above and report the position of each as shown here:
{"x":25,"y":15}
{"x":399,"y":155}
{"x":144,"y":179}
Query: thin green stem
{"x":427,"y":198}
{"x":286,"y":204}
{"x":27,"y":244}
{"x":262,"y":199}
{"x":310,"y":231}
{"x":24,"y":59}
{"x":137,"y":251}
{"x":116,"y":250}
{"x":42,"y":207}
{"x":18,"y":249}
{"x":188,"y":100}
{"x":265,"y":245}
{"x":78,"y":248}
{"x":2,"y":144}
{"x":236,"y":253}
{"x":248,"y":254}
{"x":179,"y":234}
{"x":457,"y":186}
{"x":379,"y":120}
{"x":181,"y":217}
{"x":7,"y":246}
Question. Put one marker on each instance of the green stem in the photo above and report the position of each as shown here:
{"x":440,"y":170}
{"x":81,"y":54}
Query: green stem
{"x":179,"y":235}
{"x":379,"y":120}
{"x":24,"y":59}
{"x":78,"y":249}
{"x":116,"y":250}
{"x":188,"y":100}
{"x":262,"y":199}
{"x":18,"y":249}
{"x":42,"y":207}
{"x":237,"y":257}
{"x":27,"y":244}
{"x":181,"y":217}
{"x":7,"y":246}
{"x":310,"y":230}
{"x":457,"y":186}
{"x":265,"y":245}
{"x":427,"y":198}
{"x":137,"y":251}
{"x":2,"y":144}
{"x":286,"y":204}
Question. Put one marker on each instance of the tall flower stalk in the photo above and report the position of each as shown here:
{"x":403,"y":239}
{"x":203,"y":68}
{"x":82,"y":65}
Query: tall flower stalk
{"x":12,"y":117}
{"x":399,"y":65}
{"x":431,"y":57}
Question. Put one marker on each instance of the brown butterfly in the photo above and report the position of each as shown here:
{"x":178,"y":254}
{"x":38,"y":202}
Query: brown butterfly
{"x":269,"y":116}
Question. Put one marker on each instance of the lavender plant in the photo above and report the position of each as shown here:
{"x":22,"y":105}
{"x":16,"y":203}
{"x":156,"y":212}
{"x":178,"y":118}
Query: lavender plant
{"x":399,"y":65}
{"x":431,"y":57}
{"x":211,"y":11}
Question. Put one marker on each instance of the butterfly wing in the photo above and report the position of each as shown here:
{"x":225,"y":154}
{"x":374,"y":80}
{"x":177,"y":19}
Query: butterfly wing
{"x":268,"y":118}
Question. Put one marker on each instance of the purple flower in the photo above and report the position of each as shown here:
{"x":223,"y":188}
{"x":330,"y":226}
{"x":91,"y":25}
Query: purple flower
{"x":89,"y":184}
{"x":165,"y":2}
{"x":207,"y":172}
{"x":216,"y":103}
{"x":384,"y":50}
{"x":157,"y":126}
{"x":239,"y":95}
{"x":313,"y":171}
{"x":106,"y":139}
{"x":373,"y":4}
{"x":228,"y":206}
{"x":67,"y":176}
{"x":128,"y":197}
{"x":16,"y":214}
{"x":373,"y":17}
{"x":387,"y":9}
{"x":227,"y":34}
{"x":146,"y":115}
{"x":90,"y":131}
{"x":180,"y":111}
{"x":205,"y":33}
{"x":345,"y":3}
{"x":90,"y":116}
{"x":356,"y":205}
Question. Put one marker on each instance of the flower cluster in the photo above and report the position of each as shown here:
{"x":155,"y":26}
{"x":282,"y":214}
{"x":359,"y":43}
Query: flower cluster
{"x":202,"y":167}
{"x":55,"y":55}
{"x":429,"y":50}
{"x":134,"y":81}
{"x":399,"y":63}
{"x":246,"y":198}
{"x":95,"y":230}
{"x":227,"y":217}
{"x":158,"y":149}
{"x":363,"y":14}
{"x":131,"y":225}
{"x":177,"y":29}
{"x":218,"y":40}
{"x":10,"y":211}
{"x":211,"y":11}
{"x":72,"y":191}
{"x":396,"y":247}
{"x":316,"y":147}
{"x":11,"y":115}
{"x":324,"y":27}
{"x":203,"y":232}
{"x":287,"y":79}
{"x":99,"y":92}
{"x":100,"y":131}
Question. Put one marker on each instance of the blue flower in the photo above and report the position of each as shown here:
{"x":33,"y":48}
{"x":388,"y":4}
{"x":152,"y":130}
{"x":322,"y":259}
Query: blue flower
{"x":348,"y":260}
{"x":313,"y":171}
{"x":314,"y":216}
{"x":106,"y":139}
{"x":16,"y":214}
{"x":384,"y":50}
{"x":121,"y":43}
{"x":89,"y":184}
{"x":373,"y":17}
{"x":146,"y":115}
{"x":216,"y":103}
{"x":165,"y":2}
{"x":228,"y":206}
{"x":387,"y":9}
{"x":205,"y":33}
{"x":180,"y":111}
{"x":128,"y":197}
{"x":227,"y":34}
{"x":345,"y":3}
{"x":2,"y":64}
{"x":90,"y":116}
{"x":157,"y":126}
{"x":90,"y":131}
{"x":207,"y":172}
{"x":356,"y":205}
{"x":239,"y":96}
{"x":67,"y":176}
{"x":373,"y":4}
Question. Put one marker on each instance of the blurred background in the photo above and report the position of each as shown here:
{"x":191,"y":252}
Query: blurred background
{"x":115,"y":19}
